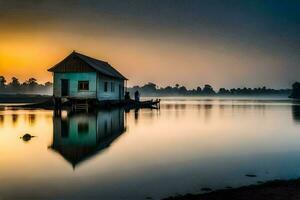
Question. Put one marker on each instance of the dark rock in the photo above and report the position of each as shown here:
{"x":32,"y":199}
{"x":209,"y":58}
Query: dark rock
{"x":251,"y":175}
{"x":27,"y":137}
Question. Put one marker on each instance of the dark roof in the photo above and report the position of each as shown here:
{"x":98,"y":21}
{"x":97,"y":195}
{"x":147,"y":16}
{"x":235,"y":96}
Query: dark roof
{"x":77,"y":62}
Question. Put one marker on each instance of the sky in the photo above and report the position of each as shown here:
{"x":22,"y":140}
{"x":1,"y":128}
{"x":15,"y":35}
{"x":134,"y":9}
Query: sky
{"x":225,"y":43}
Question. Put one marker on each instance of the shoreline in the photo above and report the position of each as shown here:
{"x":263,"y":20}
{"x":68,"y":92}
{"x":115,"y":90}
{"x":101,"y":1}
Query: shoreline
{"x":23,"y":98}
{"x":275,"y":189}
{"x":48,"y":102}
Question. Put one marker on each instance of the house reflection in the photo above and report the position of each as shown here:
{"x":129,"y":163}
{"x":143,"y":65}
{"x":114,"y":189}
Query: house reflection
{"x":78,"y":137}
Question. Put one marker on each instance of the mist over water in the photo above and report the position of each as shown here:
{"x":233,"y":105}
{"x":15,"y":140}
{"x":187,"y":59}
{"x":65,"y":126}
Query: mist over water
{"x":188,"y":144}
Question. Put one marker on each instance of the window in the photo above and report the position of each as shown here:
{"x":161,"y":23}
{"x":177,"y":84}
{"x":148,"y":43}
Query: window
{"x":83,"y":85}
{"x":105,"y":86}
{"x":112,"y":88}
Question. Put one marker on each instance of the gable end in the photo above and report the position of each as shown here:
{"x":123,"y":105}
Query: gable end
{"x":72,"y":64}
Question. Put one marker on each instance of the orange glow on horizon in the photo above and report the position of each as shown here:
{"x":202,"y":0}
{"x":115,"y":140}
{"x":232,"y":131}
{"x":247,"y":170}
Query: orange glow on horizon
{"x":153,"y":60}
{"x":27,"y":57}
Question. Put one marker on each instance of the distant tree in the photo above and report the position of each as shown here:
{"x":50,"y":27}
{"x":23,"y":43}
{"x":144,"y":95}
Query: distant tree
{"x":198,"y":90}
{"x":136,"y":88}
{"x":223,"y":91}
{"x":244,"y":91}
{"x":32,"y":81}
{"x":2,"y":81}
{"x":29,"y":85}
{"x":208,"y":89}
{"x":167,"y":90}
{"x":47,"y":88}
{"x":182,"y":90}
{"x":153,"y":89}
{"x":150,"y":87}
{"x":48,"y":84}
{"x":295,"y":91}
{"x":15,"y":83}
{"x":192,"y":92}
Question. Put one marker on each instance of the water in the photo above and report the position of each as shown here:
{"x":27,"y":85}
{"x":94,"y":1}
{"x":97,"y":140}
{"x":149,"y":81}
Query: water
{"x":186,"y":145}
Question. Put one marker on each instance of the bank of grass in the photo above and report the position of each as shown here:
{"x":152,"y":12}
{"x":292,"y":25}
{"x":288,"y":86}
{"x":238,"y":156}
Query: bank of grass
{"x":271,"y":190}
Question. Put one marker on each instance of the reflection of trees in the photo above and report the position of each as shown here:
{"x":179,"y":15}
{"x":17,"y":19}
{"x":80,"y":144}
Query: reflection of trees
{"x":31,"y":119}
{"x":296,"y":113}
{"x":1,"y":119}
{"x":15,"y":118}
{"x":207,"y":111}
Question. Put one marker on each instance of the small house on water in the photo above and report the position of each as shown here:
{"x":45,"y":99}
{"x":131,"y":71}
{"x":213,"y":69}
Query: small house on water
{"x":80,"y":77}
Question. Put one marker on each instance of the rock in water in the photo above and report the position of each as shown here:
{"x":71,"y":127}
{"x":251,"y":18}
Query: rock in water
{"x":27,"y":137}
{"x":251,"y":175}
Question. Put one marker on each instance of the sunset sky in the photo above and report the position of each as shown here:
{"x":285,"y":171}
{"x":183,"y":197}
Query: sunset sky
{"x":227,"y":43}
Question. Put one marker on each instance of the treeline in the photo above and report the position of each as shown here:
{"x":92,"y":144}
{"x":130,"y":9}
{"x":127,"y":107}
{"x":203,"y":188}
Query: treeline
{"x":296,"y":91}
{"x":152,"y":89}
{"x":30,"y":86}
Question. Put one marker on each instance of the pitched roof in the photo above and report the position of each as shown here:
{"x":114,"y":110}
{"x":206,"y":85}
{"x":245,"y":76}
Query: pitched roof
{"x":78,"y":62}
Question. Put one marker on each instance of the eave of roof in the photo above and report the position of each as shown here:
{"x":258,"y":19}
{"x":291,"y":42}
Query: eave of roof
{"x":99,"y":65}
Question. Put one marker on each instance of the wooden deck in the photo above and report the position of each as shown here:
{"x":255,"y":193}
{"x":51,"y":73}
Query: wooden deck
{"x":76,"y":104}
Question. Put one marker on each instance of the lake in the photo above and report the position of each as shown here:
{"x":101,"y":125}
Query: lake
{"x":189,"y":144}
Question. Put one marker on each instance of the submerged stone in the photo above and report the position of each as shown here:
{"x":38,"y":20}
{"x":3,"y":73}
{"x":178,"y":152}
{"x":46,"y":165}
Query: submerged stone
{"x":26,"y":137}
{"x":251,"y":175}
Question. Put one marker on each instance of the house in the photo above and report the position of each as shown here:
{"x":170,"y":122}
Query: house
{"x":78,"y":137}
{"x":81,"y":77}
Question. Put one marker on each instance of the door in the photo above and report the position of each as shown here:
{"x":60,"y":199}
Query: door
{"x":64,"y":87}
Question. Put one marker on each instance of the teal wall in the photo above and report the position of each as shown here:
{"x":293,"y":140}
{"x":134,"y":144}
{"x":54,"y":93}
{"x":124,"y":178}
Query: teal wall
{"x":109,"y":95}
{"x":73,"y":81}
{"x":96,"y":86}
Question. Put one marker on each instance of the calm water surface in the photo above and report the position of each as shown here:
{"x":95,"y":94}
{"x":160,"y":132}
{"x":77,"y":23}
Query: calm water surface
{"x":186,"y":145}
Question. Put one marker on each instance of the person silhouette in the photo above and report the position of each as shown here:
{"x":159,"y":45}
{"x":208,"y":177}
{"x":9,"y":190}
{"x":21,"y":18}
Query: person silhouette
{"x":137,"y":96}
